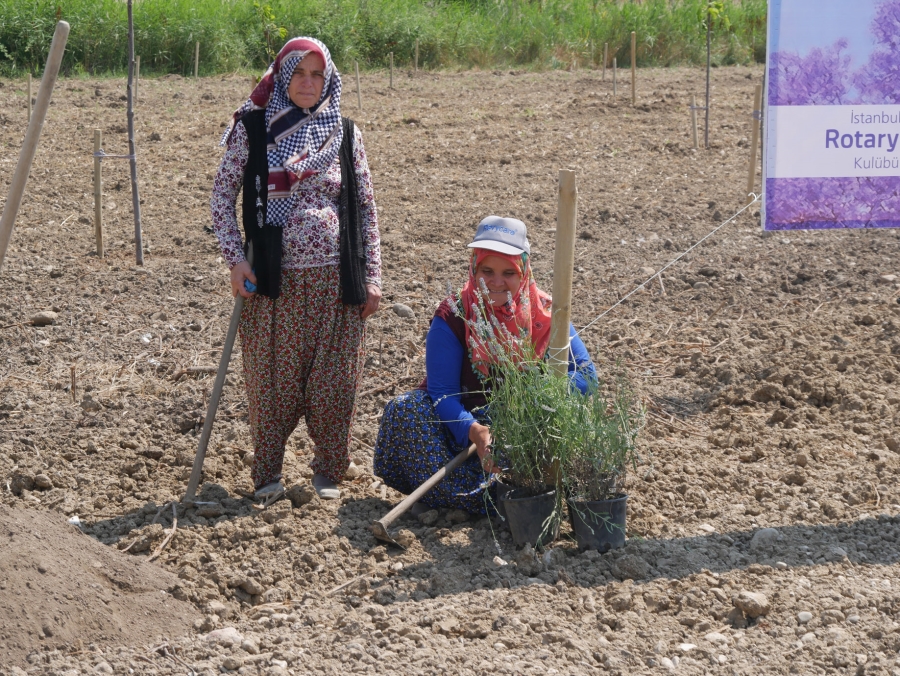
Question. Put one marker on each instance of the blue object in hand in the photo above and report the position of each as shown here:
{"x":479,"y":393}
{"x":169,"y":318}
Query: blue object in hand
{"x":250,"y":286}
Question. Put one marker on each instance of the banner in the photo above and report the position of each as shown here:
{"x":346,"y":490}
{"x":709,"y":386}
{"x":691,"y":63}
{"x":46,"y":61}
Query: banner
{"x":832,"y":121}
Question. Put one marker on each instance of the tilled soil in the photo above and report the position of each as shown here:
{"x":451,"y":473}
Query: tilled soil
{"x":763,"y":528}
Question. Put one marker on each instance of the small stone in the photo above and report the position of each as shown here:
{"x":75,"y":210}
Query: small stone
{"x":210,"y":511}
{"x":706,"y":528}
{"x":888,"y":279}
{"x":251,"y":586}
{"x":853,"y":619}
{"x":765,"y":538}
{"x":838,"y":552}
{"x":232,"y":663}
{"x":716,"y":637}
{"x":45,"y":318}
{"x":404,"y":311}
{"x":448,"y":627}
{"x":42,"y":482}
{"x":457,"y":516}
{"x":429,"y":518}
{"x":646,"y":272}
{"x":301,"y":495}
{"x":248,"y":459}
{"x":803,"y":617}
{"x":103,"y":668}
{"x":279,"y":663}
{"x":353,"y":471}
{"x":248,"y":645}
{"x":406,"y":538}
{"x":686,"y":647}
{"x":801,"y":460}
{"x":833,"y":616}
{"x":781,"y":565}
{"x":808,"y":637}
{"x":753,"y":604}
{"x":224,"y":636}
{"x":667,"y":663}
{"x":499,"y":562}
{"x":217,"y":608}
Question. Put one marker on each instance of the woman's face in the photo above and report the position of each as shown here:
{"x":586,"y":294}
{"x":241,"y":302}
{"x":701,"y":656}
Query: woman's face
{"x":500,"y":276}
{"x":308,"y":80}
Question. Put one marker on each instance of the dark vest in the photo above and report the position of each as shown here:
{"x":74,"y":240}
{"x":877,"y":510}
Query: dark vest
{"x":471,"y":385}
{"x":266,"y":239}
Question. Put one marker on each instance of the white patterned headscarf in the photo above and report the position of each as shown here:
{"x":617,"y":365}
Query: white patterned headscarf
{"x":301,"y":141}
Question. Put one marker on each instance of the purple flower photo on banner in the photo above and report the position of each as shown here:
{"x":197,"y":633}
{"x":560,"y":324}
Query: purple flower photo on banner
{"x":829,"y":167}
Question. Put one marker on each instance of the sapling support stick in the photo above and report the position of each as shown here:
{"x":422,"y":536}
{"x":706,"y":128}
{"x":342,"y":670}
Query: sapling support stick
{"x":197,"y":59}
{"x":563,"y":265}
{"x":358,"y":93}
{"x":708,"y":70}
{"x":391,"y":59}
{"x":32,"y":136}
{"x":605,"y":58}
{"x":29,"y":97}
{"x":633,"y":68}
{"x":135,"y":199}
{"x":754,"y":142}
{"x":417,"y":55}
{"x":614,"y":77}
{"x":98,"y":193}
{"x":694,"y":121}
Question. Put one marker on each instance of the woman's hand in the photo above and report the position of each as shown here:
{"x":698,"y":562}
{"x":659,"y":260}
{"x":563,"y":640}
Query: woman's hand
{"x":373,"y":298}
{"x":239,"y":273}
{"x":480,"y":435}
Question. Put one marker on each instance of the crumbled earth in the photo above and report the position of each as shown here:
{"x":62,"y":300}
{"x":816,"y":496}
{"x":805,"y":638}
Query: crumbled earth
{"x":762,"y":521}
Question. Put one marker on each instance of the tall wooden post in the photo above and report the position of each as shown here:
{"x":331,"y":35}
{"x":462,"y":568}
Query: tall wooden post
{"x":32,"y":136}
{"x":614,"y":77}
{"x":29,"y":97}
{"x":754,"y":141}
{"x":98,"y":194}
{"x":196,"y":59}
{"x":633,"y":68}
{"x":358,"y":93}
{"x":708,"y":71}
{"x":417,"y":55}
{"x":563,"y":264}
{"x":694,"y":120}
{"x":391,"y":58}
{"x":605,"y":58}
{"x":135,"y":198}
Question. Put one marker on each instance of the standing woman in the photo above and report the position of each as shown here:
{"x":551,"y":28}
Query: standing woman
{"x":309,"y":214}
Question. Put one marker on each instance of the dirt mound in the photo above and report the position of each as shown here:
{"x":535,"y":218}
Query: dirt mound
{"x":59,"y":587}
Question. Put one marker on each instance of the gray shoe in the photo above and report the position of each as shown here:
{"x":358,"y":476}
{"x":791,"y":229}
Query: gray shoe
{"x":325,"y":489}
{"x":269,"y":494}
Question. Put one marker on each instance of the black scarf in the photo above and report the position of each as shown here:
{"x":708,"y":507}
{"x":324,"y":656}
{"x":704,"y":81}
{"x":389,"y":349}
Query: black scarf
{"x":266,"y":238}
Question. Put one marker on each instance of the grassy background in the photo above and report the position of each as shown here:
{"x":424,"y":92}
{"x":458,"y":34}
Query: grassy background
{"x":244,"y":34}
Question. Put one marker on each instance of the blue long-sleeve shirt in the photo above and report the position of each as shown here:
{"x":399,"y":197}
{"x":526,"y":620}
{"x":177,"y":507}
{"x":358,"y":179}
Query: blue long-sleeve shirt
{"x":443,"y":365}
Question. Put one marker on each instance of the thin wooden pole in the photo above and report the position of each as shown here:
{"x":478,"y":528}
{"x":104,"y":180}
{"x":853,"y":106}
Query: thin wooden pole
{"x":563,"y":264}
{"x":32,"y":136}
{"x":391,"y":55}
{"x":29,"y":97}
{"x":708,"y":70}
{"x":633,"y":68}
{"x":358,"y":93}
{"x":754,"y":141}
{"x":98,"y":194}
{"x":196,"y":58}
{"x":417,"y":55}
{"x":135,"y":198}
{"x":614,"y":77}
{"x":137,"y":74}
{"x":694,"y":120}
{"x":605,"y":58}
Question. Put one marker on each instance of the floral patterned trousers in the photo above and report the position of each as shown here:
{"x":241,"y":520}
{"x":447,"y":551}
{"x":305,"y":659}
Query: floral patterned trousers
{"x":302,"y":357}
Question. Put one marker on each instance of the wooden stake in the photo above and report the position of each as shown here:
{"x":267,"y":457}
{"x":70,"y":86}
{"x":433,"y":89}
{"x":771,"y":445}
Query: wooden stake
{"x":98,"y":194}
{"x":32,"y":136}
{"x":708,"y":69}
{"x":29,"y":97}
{"x":563,"y":264}
{"x":196,"y":59}
{"x":633,"y":71}
{"x":605,"y":58}
{"x":754,"y":141}
{"x":417,"y":55}
{"x":391,"y":55}
{"x":137,"y":74}
{"x":358,"y":93}
{"x":694,"y":120}
{"x":135,"y":199}
{"x":614,"y":77}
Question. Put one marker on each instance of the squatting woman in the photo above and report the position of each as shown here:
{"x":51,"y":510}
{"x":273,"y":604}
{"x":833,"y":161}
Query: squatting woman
{"x":422,"y":430}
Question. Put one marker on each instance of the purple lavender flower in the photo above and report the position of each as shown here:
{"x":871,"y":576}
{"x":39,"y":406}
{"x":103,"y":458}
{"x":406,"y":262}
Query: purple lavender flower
{"x":822,"y":77}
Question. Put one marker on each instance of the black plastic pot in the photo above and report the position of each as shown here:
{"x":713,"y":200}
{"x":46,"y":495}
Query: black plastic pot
{"x":599,"y":524}
{"x":528,"y":516}
{"x":500,"y":491}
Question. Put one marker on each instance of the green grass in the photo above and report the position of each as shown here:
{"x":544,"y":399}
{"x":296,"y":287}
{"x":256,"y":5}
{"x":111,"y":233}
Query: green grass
{"x":242,"y":34}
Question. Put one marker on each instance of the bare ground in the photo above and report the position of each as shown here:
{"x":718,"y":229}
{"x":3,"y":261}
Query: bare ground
{"x":768,"y":365}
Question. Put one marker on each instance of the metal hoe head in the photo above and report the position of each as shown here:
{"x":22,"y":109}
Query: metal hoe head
{"x":380,"y":532}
